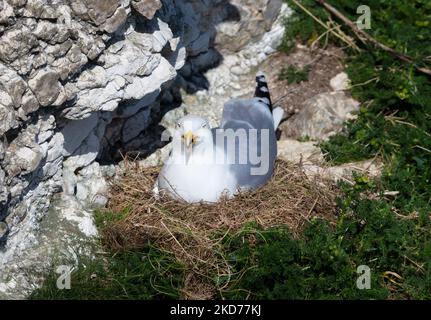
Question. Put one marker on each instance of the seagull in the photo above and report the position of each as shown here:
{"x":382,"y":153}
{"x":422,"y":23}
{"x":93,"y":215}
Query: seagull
{"x":206,"y":163}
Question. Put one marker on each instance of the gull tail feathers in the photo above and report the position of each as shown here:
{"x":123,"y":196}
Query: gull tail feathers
{"x":262,"y":91}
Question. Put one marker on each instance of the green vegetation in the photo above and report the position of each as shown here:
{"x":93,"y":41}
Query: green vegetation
{"x":393,"y":124}
{"x":133,"y":274}
{"x":147,"y":274}
{"x":293,"y":74}
{"x":390,"y":234}
{"x":322,"y":264}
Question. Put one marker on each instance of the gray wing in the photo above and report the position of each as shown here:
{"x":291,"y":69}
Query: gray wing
{"x":253,"y":155}
{"x":254,"y":111}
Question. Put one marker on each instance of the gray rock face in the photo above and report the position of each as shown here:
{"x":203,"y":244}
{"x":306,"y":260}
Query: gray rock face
{"x":299,"y":152}
{"x":77,"y":80}
{"x":249,"y":19}
{"x":321,"y":116}
{"x":340,"y":82}
{"x":46,"y":87}
{"x":3,"y":230}
{"x":147,"y":7}
{"x":309,"y":156}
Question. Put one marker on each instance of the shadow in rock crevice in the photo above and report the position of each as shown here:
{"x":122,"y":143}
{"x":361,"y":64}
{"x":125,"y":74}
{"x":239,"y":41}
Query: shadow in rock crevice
{"x":116,"y":143}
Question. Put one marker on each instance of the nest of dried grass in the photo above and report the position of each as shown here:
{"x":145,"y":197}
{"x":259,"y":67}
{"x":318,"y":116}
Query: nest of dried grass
{"x":193,"y":232}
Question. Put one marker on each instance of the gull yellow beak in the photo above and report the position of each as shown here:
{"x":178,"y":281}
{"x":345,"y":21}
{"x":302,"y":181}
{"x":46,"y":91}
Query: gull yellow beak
{"x":188,"y":141}
{"x":188,"y":138}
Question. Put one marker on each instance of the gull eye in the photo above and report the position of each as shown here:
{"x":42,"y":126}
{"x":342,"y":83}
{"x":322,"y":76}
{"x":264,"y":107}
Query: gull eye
{"x":178,"y":125}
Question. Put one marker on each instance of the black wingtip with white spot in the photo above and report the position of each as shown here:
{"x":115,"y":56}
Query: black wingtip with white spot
{"x":262,"y":91}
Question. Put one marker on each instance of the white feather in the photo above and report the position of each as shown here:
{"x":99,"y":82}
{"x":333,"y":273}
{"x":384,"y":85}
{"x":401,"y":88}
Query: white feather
{"x":277,"y":115}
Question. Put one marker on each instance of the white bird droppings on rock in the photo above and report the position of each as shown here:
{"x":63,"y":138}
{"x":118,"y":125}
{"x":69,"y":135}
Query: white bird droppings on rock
{"x":340,"y":82}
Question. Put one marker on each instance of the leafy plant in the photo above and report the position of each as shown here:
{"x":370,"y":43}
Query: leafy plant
{"x":293,"y":74}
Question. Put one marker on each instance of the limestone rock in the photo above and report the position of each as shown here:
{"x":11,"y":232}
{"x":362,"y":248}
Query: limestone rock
{"x":113,"y":23}
{"x":51,"y":32}
{"x":321,"y":116}
{"x":6,"y":12}
{"x":84,"y":155}
{"x":371,"y":168}
{"x":3,"y":230}
{"x":340,"y":82}
{"x":245,"y":22}
{"x":16,"y":43}
{"x":29,"y":104}
{"x":40,"y":9}
{"x":134,"y":125}
{"x":100,"y":11}
{"x":91,"y":186}
{"x":222,"y":83}
{"x":12,"y":84}
{"x":7,"y":115}
{"x":66,"y":233}
{"x":75,"y":132}
{"x":299,"y":152}
{"x":3,"y":193}
{"x":157,"y":158}
{"x":70,"y":63}
{"x":24,"y":154}
{"x":147,"y":7}
{"x":46,"y":87}
{"x":161,"y":36}
{"x":26,"y":159}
